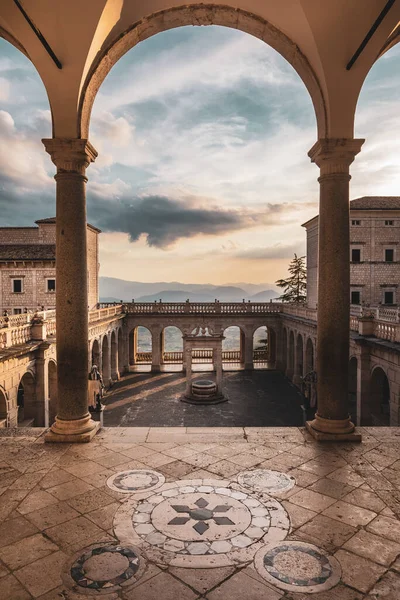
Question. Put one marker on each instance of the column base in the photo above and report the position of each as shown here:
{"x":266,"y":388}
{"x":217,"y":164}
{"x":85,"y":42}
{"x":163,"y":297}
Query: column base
{"x":248,"y":366}
{"x":330,"y":430}
{"x":72,"y":431}
{"x":155,"y":369}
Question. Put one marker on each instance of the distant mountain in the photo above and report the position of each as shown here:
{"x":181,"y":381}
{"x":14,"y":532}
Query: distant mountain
{"x":265,"y":296}
{"x":115,"y":290}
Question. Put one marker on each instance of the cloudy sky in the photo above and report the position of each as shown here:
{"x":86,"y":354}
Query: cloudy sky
{"x":202,"y":174}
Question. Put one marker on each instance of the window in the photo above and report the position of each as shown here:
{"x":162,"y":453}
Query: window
{"x":389,"y":298}
{"x":355,"y":255}
{"x":356,"y":222}
{"x":389,"y":255}
{"x":17,"y":286}
{"x":356,"y":297}
{"x":17,"y":311}
{"x":51,"y":285}
{"x":389,"y":223}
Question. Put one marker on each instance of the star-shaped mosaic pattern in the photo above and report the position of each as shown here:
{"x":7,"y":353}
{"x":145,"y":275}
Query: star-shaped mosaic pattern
{"x":201,"y":513}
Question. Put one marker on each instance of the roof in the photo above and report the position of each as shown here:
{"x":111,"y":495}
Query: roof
{"x":13,"y":252}
{"x":369,"y":203}
{"x":376,"y":203}
{"x":52,"y":220}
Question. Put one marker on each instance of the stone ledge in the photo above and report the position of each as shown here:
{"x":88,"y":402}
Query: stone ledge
{"x":77,"y":438}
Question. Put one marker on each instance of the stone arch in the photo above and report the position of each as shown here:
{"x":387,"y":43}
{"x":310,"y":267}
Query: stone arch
{"x":309,"y":356}
{"x":120,"y":342}
{"x":171,"y":342}
{"x":114,"y":356}
{"x":3,"y":409}
{"x":290,"y":367}
{"x":96,"y":354}
{"x":140,"y":345}
{"x":52,"y":390}
{"x":105,"y":360}
{"x":379,"y":397}
{"x":261,"y":344}
{"x":28,"y":413}
{"x":353,"y":365}
{"x":299,"y":366}
{"x":199,"y":14}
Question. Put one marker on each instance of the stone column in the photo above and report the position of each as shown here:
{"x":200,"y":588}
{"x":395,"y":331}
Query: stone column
{"x":217,"y":357}
{"x":248,"y":350}
{"x":363,"y":387}
{"x":155,"y":350}
{"x":73,"y":422}
{"x":334,"y":157}
{"x":41,"y":396}
{"x":188,"y":351}
{"x":242,"y":347}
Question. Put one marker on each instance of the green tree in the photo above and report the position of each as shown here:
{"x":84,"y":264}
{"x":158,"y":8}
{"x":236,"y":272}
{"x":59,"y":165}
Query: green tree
{"x":295,"y":286}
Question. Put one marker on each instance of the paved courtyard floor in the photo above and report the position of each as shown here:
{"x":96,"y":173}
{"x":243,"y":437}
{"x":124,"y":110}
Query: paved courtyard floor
{"x":189,"y":513}
{"x":256,"y":398}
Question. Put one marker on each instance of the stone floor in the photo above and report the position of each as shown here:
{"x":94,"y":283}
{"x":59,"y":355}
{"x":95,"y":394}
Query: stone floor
{"x":256,"y":398}
{"x":189,"y":513}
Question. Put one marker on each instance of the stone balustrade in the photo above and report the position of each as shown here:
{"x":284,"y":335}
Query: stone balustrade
{"x":381,"y":322}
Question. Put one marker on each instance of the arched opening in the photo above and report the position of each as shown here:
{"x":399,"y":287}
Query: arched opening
{"x":290,"y":369}
{"x":121,"y":365}
{"x":106,"y":362}
{"x":233,"y":346}
{"x":140,"y":347}
{"x":114,"y":357}
{"x":29,"y":413}
{"x":261,"y":346}
{"x":380,"y":398}
{"x":52,"y":383}
{"x":96,"y":354}
{"x":284,"y":349}
{"x":299,"y":367}
{"x":171,"y":345}
{"x":3,"y":410}
{"x":353,"y":389}
{"x":309,"y":356}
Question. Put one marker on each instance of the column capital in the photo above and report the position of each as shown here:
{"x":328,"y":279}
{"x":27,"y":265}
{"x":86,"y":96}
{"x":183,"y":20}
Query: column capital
{"x":70,"y":155}
{"x":335,"y":155}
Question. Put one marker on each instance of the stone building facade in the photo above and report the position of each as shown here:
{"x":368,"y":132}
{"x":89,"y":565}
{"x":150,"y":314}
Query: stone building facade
{"x":374,"y":252}
{"x":28,"y":267}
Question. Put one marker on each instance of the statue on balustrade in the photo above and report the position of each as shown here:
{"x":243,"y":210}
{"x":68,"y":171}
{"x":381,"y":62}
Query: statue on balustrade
{"x":95,"y":390}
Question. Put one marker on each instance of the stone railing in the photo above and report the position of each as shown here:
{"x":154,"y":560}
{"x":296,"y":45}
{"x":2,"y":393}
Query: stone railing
{"x":196,"y":308}
{"x":105,"y":311}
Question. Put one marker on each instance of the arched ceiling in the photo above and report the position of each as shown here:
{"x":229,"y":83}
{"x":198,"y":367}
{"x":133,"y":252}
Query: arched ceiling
{"x":322,"y":35}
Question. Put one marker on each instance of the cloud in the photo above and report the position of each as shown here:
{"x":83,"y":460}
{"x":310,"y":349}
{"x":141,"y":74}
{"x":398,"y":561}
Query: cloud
{"x":165,"y":220}
{"x":272,"y":252}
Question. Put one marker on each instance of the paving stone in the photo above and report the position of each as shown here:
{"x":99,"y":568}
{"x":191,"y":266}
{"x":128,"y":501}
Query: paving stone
{"x":14,"y":530}
{"x":11,"y":589}
{"x":365,"y":499}
{"x":386,"y":527}
{"x":329,"y":487}
{"x":26,"y":551}
{"x":326,"y":532}
{"x":358,"y":572}
{"x":36,"y":501}
{"x":339,"y":592}
{"x":55,"y":477}
{"x":73,"y":531}
{"x":377,"y":549}
{"x":84,"y":468}
{"x":162,"y":586}
{"x":68,"y":490}
{"x":349,"y":513}
{"x":103,"y":517}
{"x":90,"y":501}
{"x":52,"y":515}
{"x":243,"y":586}
{"x":311,"y":500}
{"x":388,"y":588}
{"x":298,"y":515}
{"x":42,"y":575}
{"x":202,"y":580}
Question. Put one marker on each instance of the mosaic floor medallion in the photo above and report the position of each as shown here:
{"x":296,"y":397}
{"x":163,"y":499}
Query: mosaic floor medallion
{"x":104,"y":569}
{"x":264,"y":480}
{"x":297,"y":566}
{"x":131,"y":482}
{"x":200,"y":523}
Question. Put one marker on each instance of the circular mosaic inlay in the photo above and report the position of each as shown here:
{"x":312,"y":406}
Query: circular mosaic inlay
{"x":297,"y":566}
{"x":140,"y":480}
{"x":205,"y":523}
{"x":105,"y":568}
{"x":267,"y":481}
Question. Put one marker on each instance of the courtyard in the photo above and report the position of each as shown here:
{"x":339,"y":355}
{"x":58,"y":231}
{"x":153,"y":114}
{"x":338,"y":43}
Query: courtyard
{"x":71,"y":517}
{"x":263,"y":398}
